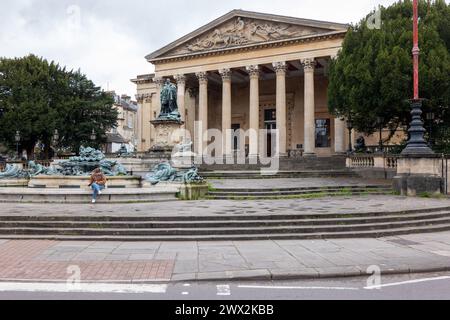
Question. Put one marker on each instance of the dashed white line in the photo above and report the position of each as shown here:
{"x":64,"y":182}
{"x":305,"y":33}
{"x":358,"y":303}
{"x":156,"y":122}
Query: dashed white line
{"x":223,"y":290}
{"x":297,"y":288}
{"x":82,"y":288}
{"x":406,"y":282}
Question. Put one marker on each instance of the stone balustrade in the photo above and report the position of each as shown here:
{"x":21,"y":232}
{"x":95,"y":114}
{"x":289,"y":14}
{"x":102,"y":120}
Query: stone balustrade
{"x":383,"y":161}
{"x":391,"y":162}
{"x":364,"y":161}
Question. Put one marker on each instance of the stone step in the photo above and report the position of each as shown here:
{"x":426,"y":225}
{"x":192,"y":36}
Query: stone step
{"x":247,"y":190}
{"x":240,"y":237}
{"x":299,"y":195}
{"x":300,"y":191}
{"x":313,"y":163}
{"x":218,"y":217}
{"x":281,"y":174}
{"x":217,"y":224}
{"x":226,"y":231}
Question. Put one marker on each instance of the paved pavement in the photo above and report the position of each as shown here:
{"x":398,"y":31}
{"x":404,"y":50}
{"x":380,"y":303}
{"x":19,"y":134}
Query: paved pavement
{"x":232,"y":260}
{"x":341,"y":205}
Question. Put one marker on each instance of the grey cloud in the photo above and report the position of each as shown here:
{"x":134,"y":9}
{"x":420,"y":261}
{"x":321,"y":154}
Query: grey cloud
{"x":115,"y":35}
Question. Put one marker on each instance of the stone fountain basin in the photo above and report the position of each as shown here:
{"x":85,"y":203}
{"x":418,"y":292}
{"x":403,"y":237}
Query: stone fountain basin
{"x":81,"y":182}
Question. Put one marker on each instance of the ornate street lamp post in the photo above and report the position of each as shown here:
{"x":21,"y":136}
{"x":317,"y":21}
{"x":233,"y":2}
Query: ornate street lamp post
{"x":380,"y":126}
{"x":55,"y":141}
{"x":416,"y":143}
{"x":350,"y":128}
{"x":55,"y":138}
{"x":17,"y":139}
{"x":93,"y":135}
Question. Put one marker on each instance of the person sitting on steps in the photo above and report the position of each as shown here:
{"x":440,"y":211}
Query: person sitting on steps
{"x":97,"y":183}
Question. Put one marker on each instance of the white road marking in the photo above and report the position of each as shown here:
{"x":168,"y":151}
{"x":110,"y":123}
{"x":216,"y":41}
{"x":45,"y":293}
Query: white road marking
{"x":186,"y":285}
{"x":185,"y":293}
{"x":82,"y":288}
{"x":406,"y":282}
{"x":223,"y":290}
{"x":297,"y":288}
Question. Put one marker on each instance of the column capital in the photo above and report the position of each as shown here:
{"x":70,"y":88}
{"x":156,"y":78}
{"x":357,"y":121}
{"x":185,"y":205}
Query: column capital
{"x":202,"y":77}
{"x":253,"y":71}
{"x":308,"y":64}
{"x":225,"y":74}
{"x":280,"y":67}
{"x":143,"y":96}
{"x":180,"y":78}
{"x":139,"y":98}
{"x":159,"y":81}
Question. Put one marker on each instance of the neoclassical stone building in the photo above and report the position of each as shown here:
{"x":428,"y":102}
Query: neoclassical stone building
{"x":248,"y":70}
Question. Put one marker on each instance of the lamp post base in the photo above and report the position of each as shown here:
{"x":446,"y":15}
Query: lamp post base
{"x":416,"y":143}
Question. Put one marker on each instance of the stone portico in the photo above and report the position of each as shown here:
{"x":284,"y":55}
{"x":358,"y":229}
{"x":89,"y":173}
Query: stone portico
{"x":249,"y":70}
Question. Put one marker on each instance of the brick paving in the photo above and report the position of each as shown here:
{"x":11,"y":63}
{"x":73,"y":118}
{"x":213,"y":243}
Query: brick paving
{"x":45,"y":261}
{"x":26,"y":260}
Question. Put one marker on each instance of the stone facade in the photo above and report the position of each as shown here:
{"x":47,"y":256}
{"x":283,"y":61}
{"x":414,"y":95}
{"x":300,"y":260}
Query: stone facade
{"x":126,"y":133}
{"x":251,"y":71}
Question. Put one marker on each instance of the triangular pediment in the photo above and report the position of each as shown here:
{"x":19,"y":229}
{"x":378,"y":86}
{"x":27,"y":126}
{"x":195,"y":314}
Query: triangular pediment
{"x":241,"y":28}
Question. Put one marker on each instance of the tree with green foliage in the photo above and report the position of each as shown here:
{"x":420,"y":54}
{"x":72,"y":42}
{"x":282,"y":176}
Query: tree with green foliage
{"x":38,"y":97}
{"x":372,"y":76}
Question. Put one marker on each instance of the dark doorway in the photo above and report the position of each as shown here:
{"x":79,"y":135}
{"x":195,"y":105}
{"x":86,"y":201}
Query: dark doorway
{"x":236,"y":127}
{"x":270,"y":124}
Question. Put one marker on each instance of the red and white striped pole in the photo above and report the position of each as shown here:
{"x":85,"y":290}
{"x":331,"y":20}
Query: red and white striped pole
{"x":416,"y":50}
{"x":416,"y":143}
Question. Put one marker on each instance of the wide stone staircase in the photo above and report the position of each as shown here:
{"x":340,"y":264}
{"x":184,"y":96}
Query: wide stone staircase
{"x":303,"y":225}
{"x":257,"y":174}
{"x":315,"y":167}
{"x":298,"y":192}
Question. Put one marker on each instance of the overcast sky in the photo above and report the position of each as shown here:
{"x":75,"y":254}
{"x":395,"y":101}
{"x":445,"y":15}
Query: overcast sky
{"x":108,"y":39}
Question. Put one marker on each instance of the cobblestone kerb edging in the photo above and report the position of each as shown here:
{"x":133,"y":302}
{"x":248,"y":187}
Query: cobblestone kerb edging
{"x":251,"y":275}
{"x":265,"y":275}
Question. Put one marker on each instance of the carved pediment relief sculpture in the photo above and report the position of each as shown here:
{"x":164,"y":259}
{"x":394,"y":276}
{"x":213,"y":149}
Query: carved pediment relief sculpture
{"x":242,"y":31}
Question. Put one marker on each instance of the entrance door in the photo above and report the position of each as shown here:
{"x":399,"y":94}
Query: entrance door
{"x":236,"y":139}
{"x":270,"y":124}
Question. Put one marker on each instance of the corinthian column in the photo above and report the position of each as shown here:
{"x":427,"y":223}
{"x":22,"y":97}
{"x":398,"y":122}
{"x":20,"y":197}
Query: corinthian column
{"x":181,"y":87}
{"x":254,"y":110}
{"x":280,"y":69}
{"x":203,"y":109}
{"x":226,"y":111}
{"x":159,"y":83}
{"x":310,"y":119}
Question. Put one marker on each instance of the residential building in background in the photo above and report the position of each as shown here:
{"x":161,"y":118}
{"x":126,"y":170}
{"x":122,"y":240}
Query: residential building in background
{"x":126,"y":132}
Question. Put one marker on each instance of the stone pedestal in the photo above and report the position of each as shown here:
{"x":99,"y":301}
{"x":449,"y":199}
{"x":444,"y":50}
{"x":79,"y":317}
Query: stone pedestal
{"x":165,"y":140}
{"x":183,"y":160}
{"x":14,"y":183}
{"x":80,"y":182}
{"x":419,"y":175}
